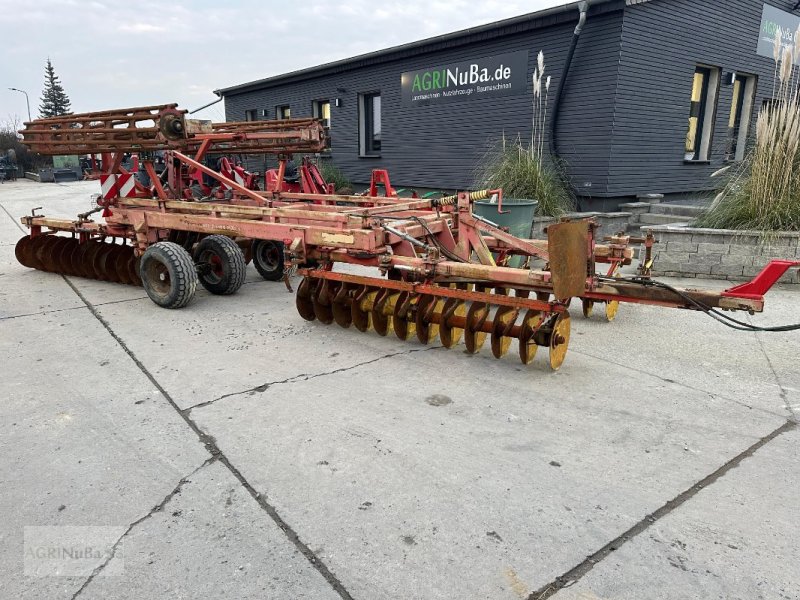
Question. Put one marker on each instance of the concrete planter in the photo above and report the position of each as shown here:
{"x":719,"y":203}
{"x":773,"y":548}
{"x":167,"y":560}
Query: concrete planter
{"x":684,"y":251}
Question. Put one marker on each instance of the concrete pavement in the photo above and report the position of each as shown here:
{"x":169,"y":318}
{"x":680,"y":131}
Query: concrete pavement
{"x":232,"y":449}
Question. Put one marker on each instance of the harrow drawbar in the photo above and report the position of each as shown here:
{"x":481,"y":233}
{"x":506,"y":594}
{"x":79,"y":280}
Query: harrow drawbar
{"x":426,"y":311}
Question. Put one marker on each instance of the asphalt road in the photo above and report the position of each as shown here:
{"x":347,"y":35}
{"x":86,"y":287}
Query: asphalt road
{"x":231,"y":449}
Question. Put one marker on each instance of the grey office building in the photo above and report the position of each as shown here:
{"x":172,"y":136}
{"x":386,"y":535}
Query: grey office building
{"x":659,"y":94}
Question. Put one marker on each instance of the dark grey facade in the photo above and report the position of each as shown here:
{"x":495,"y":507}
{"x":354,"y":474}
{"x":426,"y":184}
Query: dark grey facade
{"x":624,"y":113}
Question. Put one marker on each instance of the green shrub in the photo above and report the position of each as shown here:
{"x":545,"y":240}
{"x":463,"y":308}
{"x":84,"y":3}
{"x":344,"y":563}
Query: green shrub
{"x":522,"y":174}
{"x":521,"y":171}
{"x":334,"y":175}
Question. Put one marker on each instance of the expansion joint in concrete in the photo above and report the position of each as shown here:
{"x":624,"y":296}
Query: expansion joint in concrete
{"x":576,"y":573}
{"x":210,"y":444}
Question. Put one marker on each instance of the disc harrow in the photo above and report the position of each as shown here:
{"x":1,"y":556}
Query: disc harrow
{"x":449,"y":313}
{"x":439,"y":272}
{"x":109,"y":259}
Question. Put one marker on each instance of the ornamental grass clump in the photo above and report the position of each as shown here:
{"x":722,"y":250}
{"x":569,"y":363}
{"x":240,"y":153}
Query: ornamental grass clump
{"x":519,"y":169}
{"x":764,"y":192}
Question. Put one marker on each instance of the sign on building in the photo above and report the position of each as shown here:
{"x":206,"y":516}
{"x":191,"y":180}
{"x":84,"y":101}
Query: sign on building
{"x":773,"y":19}
{"x":502,"y":75}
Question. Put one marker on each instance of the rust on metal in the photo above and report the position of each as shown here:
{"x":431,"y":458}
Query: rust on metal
{"x":569,"y":257}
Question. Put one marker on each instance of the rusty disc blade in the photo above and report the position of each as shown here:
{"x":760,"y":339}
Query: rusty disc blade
{"x":340,"y":306}
{"x":403,"y":321}
{"x":32,"y":255}
{"x":102,"y":263}
{"x":77,"y":265}
{"x":527,"y":347}
{"x":427,"y":329}
{"x":559,"y":341}
{"x":123,"y":256}
{"x":52,"y":260}
{"x":65,"y":258}
{"x":361,"y":308}
{"x":473,"y":336}
{"x":383,"y":311}
{"x":503,"y":320}
{"x":321,"y":302}
{"x":302,"y":300}
{"x":24,"y":252}
{"x":41,"y":250}
{"x":89,"y":257}
{"x":450,"y":334}
{"x":133,"y":269}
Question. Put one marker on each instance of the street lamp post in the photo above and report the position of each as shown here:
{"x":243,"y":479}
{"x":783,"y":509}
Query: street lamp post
{"x":27,"y":102}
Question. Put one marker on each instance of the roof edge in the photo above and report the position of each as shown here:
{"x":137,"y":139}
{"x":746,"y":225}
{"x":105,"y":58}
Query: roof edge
{"x":387,"y":53}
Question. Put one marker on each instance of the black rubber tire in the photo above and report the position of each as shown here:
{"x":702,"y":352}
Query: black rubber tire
{"x":168,"y":275}
{"x":227,"y":265}
{"x":268,"y":259}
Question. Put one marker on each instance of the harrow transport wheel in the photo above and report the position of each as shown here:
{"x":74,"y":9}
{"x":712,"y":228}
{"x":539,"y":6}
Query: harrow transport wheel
{"x":588,"y":306}
{"x":222,"y":267}
{"x":168,"y":275}
{"x":528,"y":347}
{"x":303,"y":299}
{"x":559,"y":341}
{"x":268,"y":259}
{"x":611,"y":310}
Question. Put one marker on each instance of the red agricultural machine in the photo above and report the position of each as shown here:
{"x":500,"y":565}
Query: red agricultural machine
{"x":439,"y":270}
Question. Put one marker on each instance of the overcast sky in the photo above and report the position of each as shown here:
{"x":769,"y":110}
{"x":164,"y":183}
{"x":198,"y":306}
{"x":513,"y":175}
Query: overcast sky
{"x":122,"y":54}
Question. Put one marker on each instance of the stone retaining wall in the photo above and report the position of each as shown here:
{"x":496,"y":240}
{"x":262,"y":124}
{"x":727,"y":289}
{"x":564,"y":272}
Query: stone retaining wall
{"x":719,"y":253}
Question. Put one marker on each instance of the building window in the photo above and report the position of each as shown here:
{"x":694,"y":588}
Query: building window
{"x":321,"y":109}
{"x":369,"y":124}
{"x":701,"y":113}
{"x":744,"y":88}
{"x":250,"y":115}
{"x":283,"y":112}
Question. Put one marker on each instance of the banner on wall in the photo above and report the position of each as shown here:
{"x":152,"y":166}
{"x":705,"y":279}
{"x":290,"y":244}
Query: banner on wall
{"x":502,"y":75}
{"x":773,"y":19}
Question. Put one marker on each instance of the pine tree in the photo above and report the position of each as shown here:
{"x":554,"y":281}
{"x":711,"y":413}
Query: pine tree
{"x":55,"y":101}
